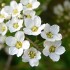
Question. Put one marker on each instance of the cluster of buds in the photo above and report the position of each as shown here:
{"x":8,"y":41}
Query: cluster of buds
{"x":18,"y":20}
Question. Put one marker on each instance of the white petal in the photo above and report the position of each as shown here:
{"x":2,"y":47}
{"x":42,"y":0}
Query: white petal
{"x":29,"y":23}
{"x":42,"y":27}
{"x":47,"y":28}
{"x":54,"y":57}
{"x":47,"y":44}
{"x":57,"y":43}
{"x":60,"y":50}
{"x":36,"y":5}
{"x":27,"y":31}
{"x":13,"y":50}
{"x":20,"y":35}
{"x":38,"y":55}
{"x":26,"y":44}
{"x":20,"y":7}
{"x":13,"y":4}
{"x":24,"y":2}
{"x":34,"y":63}
{"x":54,"y":29}
{"x":8,"y":9}
{"x":46,"y":51}
{"x":24,"y":58}
{"x":43,"y":35}
{"x":37,"y":21}
{"x":11,"y":41}
{"x":20,"y":52}
{"x":58,"y":37}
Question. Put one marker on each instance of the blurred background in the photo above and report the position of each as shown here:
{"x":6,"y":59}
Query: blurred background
{"x":52,"y":12}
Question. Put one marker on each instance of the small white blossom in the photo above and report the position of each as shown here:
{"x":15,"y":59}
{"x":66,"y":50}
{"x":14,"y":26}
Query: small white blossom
{"x":3,"y":15}
{"x":33,"y":26}
{"x":32,"y":56}
{"x":51,"y":33}
{"x":8,"y":11}
{"x":16,"y":8}
{"x":3,"y":29}
{"x":29,"y":14}
{"x":14,"y":24}
{"x":30,"y":4}
{"x":53,"y":50}
{"x":58,"y":10}
{"x":17,"y":44}
{"x":66,"y":5}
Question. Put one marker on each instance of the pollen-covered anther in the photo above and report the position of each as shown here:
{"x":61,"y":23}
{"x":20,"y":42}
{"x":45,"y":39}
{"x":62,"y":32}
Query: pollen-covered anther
{"x":34,"y":29}
{"x":49,"y":35}
{"x":32,"y":54}
{"x":15,"y":25}
{"x":18,"y":44}
{"x":52,"y":49}
{"x":15,"y":11}
{"x":29,"y":5}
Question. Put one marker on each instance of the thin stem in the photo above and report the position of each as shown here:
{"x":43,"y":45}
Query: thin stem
{"x":8,"y":62}
{"x":34,"y":44}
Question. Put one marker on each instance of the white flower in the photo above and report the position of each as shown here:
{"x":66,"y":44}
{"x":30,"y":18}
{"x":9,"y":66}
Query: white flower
{"x":66,"y":5}
{"x":51,"y":33}
{"x":29,"y":14}
{"x":16,"y":8}
{"x":3,"y":15}
{"x":14,"y":24}
{"x":32,"y":56}
{"x":58,"y":10}
{"x":30,"y":4}
{"x":8,"y":11}
{"x":17,"y":44}
{"x":53,"y":50}
{"x":33,"y":26}
{"x":3,"y":29}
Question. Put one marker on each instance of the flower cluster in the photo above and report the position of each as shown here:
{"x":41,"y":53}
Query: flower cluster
{"x":62,"y":12}
{"x":18,"y":20}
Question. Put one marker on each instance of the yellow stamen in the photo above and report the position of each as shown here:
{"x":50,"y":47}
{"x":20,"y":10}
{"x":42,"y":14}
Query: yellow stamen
{"x":15,"y":11}
{"x":19,"y":44}
{"x":49,"y":35}
{"x":52,"y":49}
{"x":34,"y":29}
{"x":29,"y":5}
{"x":15,"y":25}
{"x":32,"y":54}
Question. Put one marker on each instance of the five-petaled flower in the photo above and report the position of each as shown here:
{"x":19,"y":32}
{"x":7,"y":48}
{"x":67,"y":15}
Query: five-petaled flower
{"x":17,"y":44}
{"x":51,"y":33}
{"x":53,"y":50}
{"x":32,"y":56}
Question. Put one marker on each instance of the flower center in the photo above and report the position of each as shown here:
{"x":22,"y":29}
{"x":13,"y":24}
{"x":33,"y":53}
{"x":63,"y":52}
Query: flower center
{"x":15,"y":25}
{"x":2,"y":16}
{"x":15,"y":11}
{"x":49,"y":35}
{"x":19,"y":44}
{"x":34,"y":29}
{"x":52,"y":49}
{"x":29,"y":5}
{"x":28,"y":16}
{"x":3,"y":28}
{"x":32,"y":54}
